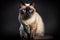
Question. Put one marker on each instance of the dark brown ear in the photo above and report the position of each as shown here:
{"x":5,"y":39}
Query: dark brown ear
{"x":32,"y":4}
{"x":21,"y":4}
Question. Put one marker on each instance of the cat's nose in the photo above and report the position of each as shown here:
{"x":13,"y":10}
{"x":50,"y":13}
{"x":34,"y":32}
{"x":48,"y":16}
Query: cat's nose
{"x":27,"y":12}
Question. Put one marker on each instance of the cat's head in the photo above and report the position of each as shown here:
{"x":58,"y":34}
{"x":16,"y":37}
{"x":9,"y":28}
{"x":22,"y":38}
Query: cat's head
{"x":27,"y":10}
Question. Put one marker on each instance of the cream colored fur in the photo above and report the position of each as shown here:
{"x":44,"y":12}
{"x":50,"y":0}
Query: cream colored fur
{"x":40,"y":26}
{"x":35,"y":18}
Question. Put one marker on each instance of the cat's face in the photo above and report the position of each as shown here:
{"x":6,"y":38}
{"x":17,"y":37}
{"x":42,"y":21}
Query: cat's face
{"x":26,"y":10}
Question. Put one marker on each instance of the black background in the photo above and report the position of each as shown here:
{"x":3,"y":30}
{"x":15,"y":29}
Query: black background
{"x":9,"y":17}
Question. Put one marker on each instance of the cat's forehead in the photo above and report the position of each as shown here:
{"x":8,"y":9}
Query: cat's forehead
{"x":27,"y":4}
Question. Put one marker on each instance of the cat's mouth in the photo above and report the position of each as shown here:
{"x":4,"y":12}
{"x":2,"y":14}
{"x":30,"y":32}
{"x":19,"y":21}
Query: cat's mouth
{"x":26,"y":17}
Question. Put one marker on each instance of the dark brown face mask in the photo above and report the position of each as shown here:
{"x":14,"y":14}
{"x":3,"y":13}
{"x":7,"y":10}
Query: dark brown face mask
{"x":27,"y":10}
{"x":26,"y":13}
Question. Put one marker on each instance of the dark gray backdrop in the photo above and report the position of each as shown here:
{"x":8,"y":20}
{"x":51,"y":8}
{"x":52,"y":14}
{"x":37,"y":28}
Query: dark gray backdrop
{"x":9,"y":17}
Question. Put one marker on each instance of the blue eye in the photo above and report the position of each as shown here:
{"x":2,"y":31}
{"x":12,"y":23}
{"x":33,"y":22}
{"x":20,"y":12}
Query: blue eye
{"x":30,"y":10}
{"x":24,"y":11}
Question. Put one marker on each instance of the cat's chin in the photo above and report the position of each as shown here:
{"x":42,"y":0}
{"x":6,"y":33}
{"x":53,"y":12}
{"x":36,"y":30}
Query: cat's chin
{"x":26,"y":18}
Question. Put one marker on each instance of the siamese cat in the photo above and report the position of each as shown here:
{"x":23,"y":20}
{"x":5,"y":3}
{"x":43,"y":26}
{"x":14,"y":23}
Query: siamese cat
{"x":31,"y":23}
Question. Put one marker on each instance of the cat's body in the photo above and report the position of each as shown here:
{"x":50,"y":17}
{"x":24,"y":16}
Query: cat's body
{"x":33,"y":25}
